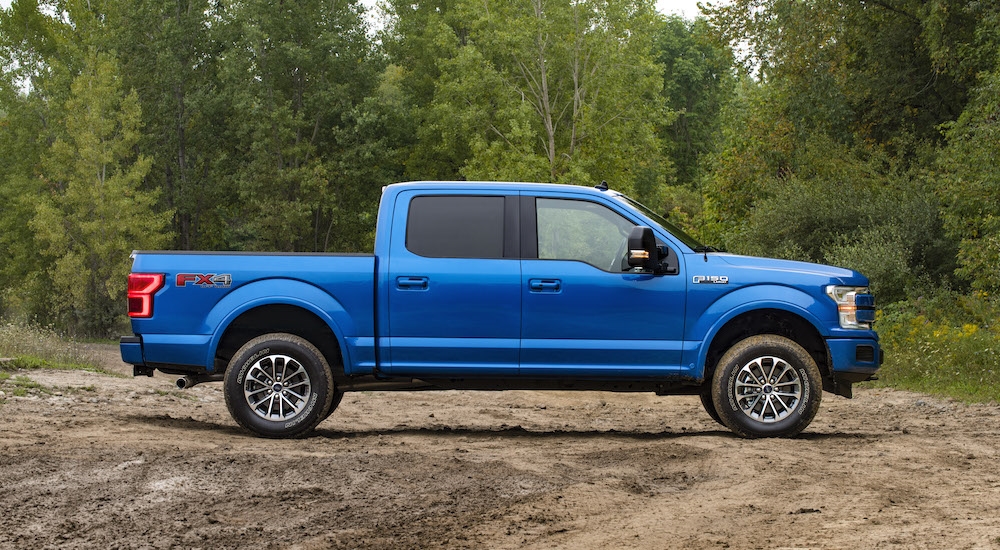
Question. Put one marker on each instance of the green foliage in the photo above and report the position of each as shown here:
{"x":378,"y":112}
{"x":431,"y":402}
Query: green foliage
{"x":698,"y":77}
{"x":970,"y":186}
{"x":94,"y":211}
{"x":299,"y":76}
{"x":536,"y":90}
{"x":863,"y":72}
{"x":829,"y":204}
{"x":169,"y":52}
{"x":944,"y":343}
{"x":39,"y":348}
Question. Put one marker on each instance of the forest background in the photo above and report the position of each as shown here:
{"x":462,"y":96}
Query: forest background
{"x":862,"y":134}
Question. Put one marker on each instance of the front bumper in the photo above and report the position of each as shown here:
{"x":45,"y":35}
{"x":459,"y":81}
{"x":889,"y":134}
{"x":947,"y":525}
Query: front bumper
{"x":852,"y":360}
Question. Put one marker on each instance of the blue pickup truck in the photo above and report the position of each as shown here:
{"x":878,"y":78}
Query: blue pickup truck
{"x":503,"y":286}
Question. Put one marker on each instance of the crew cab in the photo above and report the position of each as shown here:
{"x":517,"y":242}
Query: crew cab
{"x":505,"y":286}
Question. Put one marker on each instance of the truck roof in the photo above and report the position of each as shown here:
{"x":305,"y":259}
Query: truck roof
{"x":502,"y":186}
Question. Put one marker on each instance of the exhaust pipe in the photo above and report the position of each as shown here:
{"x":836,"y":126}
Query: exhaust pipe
{"x":193,"y":380}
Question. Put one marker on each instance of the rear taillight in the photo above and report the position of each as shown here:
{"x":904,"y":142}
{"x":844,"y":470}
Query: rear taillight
{"x":141,"y":287}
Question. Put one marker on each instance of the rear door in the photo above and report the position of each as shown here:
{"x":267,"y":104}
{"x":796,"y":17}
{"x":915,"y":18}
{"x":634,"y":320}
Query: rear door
{"x":584,"y":314}
{"x":454,"y":300}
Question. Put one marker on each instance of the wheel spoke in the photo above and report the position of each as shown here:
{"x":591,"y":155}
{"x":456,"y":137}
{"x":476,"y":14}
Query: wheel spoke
{"x":768,"y":389}
{"x":752,"y":404}
{"x":277,"y":387}
{"x":253,"y":378}
{"x":284,"y":399}
{"x":772,"y":401}
{"x":256,"y":392}
{"x":769,"y":375}
{"x":256,"y":404}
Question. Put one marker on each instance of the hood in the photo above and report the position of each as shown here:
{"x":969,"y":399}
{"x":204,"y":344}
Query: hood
{"x":845,"y":276}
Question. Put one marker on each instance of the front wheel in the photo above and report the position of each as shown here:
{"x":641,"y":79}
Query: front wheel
{"x":766,"y":386}
{"x":279,"y":385}
{"x":709,"y":404}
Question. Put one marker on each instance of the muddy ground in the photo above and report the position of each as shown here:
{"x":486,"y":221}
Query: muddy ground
{"x":95,"y":461}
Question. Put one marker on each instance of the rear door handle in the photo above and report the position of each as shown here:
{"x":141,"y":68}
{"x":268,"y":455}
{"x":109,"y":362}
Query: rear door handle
{"x":545,"y":285}
{"x":412,"y":283}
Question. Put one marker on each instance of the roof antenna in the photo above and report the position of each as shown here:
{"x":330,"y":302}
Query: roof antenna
{"x":603,"y":186}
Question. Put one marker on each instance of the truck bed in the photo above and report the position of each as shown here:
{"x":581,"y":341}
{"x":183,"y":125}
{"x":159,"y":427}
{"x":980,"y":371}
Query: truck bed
{"x":204,"y":290}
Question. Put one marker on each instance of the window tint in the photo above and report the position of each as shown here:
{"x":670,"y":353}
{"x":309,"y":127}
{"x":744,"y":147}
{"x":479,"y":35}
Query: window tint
{"x":455,"y":227}
{"x":583,"y":231}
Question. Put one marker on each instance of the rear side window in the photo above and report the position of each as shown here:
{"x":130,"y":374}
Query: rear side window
{"x":441,"y":226}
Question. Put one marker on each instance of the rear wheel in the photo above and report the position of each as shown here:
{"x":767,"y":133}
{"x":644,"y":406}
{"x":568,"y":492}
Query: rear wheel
{"x":766,"y":386}
{"x":279,"y":385}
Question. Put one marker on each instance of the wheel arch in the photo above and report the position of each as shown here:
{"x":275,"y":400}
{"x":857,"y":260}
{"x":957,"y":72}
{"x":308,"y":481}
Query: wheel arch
{"x":278,"y":318}
{"x":766,"y":320}
{"x":278,"y":305}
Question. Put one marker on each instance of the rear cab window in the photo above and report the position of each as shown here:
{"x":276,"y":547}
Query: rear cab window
{"x":450,"y":226}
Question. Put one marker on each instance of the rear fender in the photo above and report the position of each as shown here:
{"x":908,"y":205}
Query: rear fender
{"x":279,"y":291}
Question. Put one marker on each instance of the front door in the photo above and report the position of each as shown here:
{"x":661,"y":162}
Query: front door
{"x":583,"y":313}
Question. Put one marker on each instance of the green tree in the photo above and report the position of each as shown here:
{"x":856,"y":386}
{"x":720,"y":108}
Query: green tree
{"x":882,"y":72}
{"x":539,"y":90}
{"x":30,"y":98}
{"x":420,"y":39}
{"x":295,"y":75}
{"x":970,"y":186}
{"x":698,"y":78}
{"x":169,"y":53}
{"x":94,"y":212}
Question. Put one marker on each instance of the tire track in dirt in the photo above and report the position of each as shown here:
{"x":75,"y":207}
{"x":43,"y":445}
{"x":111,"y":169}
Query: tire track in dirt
{"x":105,"y":462}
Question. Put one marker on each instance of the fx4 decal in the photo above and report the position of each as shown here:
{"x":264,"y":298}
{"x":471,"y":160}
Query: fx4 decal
{"x":208,"y":280}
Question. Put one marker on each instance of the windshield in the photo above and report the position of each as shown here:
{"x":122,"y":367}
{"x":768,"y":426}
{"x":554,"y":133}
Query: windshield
{"x":666,"y":225}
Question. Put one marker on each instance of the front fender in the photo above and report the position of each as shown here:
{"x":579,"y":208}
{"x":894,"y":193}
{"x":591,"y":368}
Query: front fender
{"x":274,"y":292}
{"x":707,"y":324}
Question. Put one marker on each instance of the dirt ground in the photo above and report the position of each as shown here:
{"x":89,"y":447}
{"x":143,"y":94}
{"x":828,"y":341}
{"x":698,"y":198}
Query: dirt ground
{"x":95,"y":461}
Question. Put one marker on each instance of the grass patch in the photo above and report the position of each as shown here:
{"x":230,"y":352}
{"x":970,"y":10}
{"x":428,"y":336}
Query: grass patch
{"x":27,"y":362}
{"x":947,"y":345}
{"x":37,"y":348}
{"x":21,"y":386}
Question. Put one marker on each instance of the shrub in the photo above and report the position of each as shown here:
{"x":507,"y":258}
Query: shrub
{"x":944,"y":344}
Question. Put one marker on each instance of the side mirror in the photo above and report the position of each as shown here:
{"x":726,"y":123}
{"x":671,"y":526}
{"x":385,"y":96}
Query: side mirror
{"x":642,"y":250}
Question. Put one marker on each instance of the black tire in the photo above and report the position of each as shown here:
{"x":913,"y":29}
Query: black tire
{"x":766,"y":386}
{"x":709,"y":404}
{"x":338,"y":396}
{"x":279,"y":386}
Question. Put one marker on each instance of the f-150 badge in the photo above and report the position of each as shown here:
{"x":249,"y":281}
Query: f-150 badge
{"x":206,"y":280}
{"x":710,"y":280}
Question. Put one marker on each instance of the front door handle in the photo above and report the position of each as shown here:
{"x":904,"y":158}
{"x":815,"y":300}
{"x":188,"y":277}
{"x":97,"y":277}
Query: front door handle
{"x":545,"y":285}
{"x":412,"y":283}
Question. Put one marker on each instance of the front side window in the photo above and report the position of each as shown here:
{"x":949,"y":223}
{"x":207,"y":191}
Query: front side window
{"x":583,"y":231}
{"x":442,"y":226}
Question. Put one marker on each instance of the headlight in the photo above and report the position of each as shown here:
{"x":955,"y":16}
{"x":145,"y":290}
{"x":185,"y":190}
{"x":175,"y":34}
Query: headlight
{"x":855,"y":306}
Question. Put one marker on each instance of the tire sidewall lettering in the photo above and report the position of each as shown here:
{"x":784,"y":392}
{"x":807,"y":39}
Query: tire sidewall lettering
{"x":726,"y":378}
{"x":304,"y":413}
{"x":249,"y":362}
{"x":731,"y":387}
{"x":317,"y":369}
